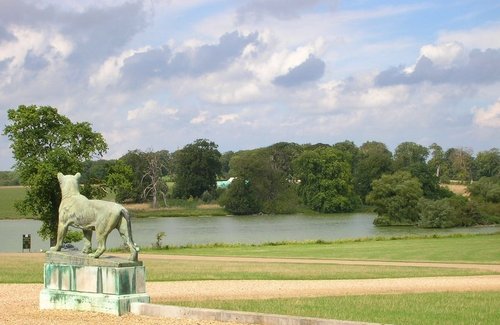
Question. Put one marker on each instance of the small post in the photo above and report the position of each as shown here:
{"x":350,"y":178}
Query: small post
{"x":27,"y":242}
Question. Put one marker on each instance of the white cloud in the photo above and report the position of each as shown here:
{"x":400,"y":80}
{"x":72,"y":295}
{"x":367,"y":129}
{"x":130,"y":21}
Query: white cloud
{"x":109,"y":72}
{"x":48,"y":44}
{"x":445,"y":55}
{"x":488,"y":117}
{"x":200,"y":118}
{"x":151,"y":110}
{"x":222,"y":119}
{"x":481,"y":37}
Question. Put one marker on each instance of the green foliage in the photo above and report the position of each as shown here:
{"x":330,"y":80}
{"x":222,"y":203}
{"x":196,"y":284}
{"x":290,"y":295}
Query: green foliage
{"x":9,"y":178}
{"x":268,"y":180}
{"x":241,"y":198}
{"x":73,"y":236}
{"x":448,"y":212}
{"x":196,"y":168}
{"x":460,"y":164}
{"x":325,"y":180}
{"x":487,"y":163}
{"x":44,"y":143}
{"x":395,"y":198}
{"x":373,"y":161}
{"x":411,"y":157}
{"x":119,"y":179}
{"x":487,"y":189}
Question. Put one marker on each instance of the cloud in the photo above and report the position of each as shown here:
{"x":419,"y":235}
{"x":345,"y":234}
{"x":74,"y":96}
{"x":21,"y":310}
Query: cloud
{"x":200,"y":118}
{"x":222,"y":119}
{"x":311,"y":69}
{"x":488,"y":117}
{"x":255,"y":10}
{"x":164,"y":63}
{"x":151,"y":109}
{"x":482,"y":67}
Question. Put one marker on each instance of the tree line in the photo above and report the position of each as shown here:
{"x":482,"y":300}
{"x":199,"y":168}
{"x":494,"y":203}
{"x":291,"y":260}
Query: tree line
{"x":403,"y":186}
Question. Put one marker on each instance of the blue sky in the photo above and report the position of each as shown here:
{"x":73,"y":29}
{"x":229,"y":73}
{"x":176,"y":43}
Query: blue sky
{"x":155,"y":75}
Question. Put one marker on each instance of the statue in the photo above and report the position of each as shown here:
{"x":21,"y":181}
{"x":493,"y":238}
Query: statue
{"x":102,"y":216}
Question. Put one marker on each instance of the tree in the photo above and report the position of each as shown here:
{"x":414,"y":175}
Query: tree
{"x":374,"y":159}
{"x":437,"y":163}
{"x":267,"y":175}
{"x":488,"y":163}
{"x":395,"y":198}
{"x":460,"y":162}
{"x":196,"y":167}
{"x":43,"y":144}
{"x":325,"y":180}
{"x":412,"y":157}
{"x":152,"y":178}
{"x":119,"y":179}
{"x":241,"y":198}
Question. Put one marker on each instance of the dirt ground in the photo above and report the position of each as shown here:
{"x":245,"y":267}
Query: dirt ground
{"x":19,"y":302}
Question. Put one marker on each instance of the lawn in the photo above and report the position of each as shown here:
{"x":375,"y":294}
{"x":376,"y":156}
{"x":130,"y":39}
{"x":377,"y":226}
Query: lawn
{"x":461,"y":248}
{"x":8,"y":196}
{"x":422,"y":308}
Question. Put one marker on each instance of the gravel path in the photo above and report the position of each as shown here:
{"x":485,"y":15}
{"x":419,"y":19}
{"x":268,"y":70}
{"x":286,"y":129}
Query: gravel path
{"x":19,"y":302}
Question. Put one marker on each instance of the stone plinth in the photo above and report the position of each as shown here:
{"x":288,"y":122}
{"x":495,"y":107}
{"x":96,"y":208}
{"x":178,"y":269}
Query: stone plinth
{"x":108,"y":284}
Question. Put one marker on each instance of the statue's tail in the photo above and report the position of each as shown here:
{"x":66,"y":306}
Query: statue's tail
{"x":126,"y":215}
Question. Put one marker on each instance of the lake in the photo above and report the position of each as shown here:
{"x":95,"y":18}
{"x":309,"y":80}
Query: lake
{"x":234,"y":229}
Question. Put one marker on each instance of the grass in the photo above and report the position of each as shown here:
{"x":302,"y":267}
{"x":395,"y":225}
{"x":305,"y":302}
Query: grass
{"x":422,"y":308}
{"x":28,"y":268}
{"x":9,"y":195}
{"x":455,"y":248}
{"x":162,"y":270}
{"x":21,"y":268}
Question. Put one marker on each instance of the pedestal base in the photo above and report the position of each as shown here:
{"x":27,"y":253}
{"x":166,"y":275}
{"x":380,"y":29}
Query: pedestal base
{"x":74,"y":281}
{"x":97,"y":302}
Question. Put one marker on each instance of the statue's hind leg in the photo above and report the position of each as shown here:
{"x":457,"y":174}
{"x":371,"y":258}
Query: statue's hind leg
{"x":127,"y":239}
{"x":87,"y":238}
{"x":101,"y":246}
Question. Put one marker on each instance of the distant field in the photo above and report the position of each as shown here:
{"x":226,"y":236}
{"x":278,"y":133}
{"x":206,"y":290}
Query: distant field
{"x":9,"y":195}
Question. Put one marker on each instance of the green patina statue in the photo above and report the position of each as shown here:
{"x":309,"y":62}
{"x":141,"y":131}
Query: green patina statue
{"x":101,"y":216}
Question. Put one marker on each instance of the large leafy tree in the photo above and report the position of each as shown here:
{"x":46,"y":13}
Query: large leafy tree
{"x":395,"y":198}
{"x":326,"y":183}
{"x":196,"y":167}
{"x":374,"y":159}
{"x":412,"y":157}
{"x":264,"y":175}
{"x":44,"y":143}
{"x":488,"y":163}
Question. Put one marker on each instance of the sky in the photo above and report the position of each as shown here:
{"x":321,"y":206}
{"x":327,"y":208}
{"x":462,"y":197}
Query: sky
{"x":159,"y":74}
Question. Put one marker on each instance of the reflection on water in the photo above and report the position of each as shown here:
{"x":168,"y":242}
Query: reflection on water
{"x":235,"y":229}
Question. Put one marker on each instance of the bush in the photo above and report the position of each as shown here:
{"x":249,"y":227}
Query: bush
{"x":240,"y":198}
{"x":450,"y":212}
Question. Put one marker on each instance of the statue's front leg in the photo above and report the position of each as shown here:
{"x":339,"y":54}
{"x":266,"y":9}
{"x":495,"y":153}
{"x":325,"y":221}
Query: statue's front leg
{"x":61,"y":233}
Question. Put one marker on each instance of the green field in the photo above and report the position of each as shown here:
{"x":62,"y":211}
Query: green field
{"x":8,"y":196}
{"x":454,"y":248}
{"x":426,"y":308}
{"x":422,"y":308}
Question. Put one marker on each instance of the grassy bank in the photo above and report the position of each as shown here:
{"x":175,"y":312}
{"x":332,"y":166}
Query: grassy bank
{"x":19,"y":268}
{"x":8,"y":196}
{"x":426,"y":308}
{"x":454,"y":248}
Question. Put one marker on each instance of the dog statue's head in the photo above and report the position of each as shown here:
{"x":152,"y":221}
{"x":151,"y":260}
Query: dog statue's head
{"x":69,"y":184}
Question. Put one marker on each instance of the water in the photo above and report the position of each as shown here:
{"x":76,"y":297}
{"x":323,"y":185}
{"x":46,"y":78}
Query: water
{"x":235,"y":229}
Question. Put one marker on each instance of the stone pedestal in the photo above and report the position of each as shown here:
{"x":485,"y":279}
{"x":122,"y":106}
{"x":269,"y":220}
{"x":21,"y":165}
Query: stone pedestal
{"x":108,"y":284}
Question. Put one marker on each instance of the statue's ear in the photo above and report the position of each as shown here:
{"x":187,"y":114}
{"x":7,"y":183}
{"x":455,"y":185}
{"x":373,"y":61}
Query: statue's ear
{"x":59,"y":176}
{"x":78,"y":175}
